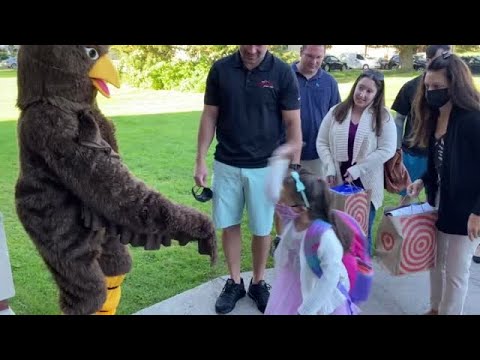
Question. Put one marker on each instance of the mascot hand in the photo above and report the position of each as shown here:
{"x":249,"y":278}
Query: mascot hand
{"x":200,"y":228}
{"x":206,"y":239}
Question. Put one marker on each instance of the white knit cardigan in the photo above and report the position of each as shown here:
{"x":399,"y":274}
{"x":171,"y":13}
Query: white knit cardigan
{"x":369,"y":151}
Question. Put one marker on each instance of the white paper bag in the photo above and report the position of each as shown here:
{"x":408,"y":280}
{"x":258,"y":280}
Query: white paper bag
{"x":276,"y":172}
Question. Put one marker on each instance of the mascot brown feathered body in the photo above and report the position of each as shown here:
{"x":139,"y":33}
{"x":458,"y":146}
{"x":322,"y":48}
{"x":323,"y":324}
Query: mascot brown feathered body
{"x":75,"y":198}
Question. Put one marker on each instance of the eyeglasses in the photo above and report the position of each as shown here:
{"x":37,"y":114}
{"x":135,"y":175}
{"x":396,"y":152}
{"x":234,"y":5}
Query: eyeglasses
{"x":203,"y":196}
{"x":376,"y":75}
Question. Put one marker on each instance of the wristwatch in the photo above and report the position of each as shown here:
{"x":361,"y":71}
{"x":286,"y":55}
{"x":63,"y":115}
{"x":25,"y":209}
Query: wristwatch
{"x":295,"y":167}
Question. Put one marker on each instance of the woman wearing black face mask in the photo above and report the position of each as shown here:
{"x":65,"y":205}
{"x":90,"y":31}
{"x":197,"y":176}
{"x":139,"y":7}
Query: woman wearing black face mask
{"x":447,"y":109}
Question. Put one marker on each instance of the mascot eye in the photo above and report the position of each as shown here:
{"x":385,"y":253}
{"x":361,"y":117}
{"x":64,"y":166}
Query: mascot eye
{"x":92,"y":53}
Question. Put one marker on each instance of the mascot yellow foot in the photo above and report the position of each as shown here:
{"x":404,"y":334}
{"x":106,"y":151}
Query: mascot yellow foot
{"x":114,"y":293}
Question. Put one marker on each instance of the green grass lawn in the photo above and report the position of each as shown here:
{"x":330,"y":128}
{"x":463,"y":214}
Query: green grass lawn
{"x":157,"y":137}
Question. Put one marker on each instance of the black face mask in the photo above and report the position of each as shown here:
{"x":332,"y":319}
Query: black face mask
{"x":437,"y":98}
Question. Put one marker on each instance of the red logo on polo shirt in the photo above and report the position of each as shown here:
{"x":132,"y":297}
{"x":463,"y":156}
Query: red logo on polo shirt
{"x":265,"y":84}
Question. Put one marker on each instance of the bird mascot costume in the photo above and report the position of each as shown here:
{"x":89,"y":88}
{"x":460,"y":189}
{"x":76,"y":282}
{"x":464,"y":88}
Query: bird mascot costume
{"x":76,"y":199}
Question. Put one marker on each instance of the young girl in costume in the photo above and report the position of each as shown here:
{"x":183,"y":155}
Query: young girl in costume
{"x":297,"y":289}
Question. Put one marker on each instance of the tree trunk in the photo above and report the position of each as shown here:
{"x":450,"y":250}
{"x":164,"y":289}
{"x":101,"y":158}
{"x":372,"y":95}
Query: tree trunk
{"x":406,"y":56}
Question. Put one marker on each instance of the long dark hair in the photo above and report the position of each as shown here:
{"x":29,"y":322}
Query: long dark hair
{"x":463,"y":94}
{"x":378,"y":105}
{"x":319,"y":199}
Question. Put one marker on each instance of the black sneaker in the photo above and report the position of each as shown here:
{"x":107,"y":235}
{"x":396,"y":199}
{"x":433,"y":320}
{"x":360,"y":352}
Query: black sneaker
{"x":260,"y":294}
{"x":275,"y":243}
{"x":231,"y":293}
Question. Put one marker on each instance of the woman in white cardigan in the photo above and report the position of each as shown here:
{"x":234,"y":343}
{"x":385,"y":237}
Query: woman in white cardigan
{"x":357,"y":137}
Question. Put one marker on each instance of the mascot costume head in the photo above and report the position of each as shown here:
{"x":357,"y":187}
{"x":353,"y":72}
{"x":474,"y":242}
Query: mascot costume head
{"x":74,"y":196}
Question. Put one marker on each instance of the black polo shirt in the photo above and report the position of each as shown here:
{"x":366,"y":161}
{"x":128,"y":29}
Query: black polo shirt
{"x":249,"y":124}
{"x":403,"y":105}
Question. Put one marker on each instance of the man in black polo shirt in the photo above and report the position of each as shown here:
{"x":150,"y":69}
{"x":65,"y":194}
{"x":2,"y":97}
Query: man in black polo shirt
{"x":252,"y":97}
{"x":414,"y":158}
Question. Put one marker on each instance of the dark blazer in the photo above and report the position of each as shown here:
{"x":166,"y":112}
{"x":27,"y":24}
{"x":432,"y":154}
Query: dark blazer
{"x":460,"y":173}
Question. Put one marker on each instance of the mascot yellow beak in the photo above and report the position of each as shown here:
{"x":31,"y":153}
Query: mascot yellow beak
{"x":102,"y":72}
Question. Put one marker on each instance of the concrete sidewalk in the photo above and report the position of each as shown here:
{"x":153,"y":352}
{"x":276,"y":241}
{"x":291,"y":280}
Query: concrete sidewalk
{"x":391,"y":295}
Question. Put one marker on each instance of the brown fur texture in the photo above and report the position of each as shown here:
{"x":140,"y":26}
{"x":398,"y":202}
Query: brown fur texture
{"x":76,"y":199}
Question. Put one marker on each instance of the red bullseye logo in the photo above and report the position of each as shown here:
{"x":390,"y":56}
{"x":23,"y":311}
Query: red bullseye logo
{"x":419,"y":244}
{"x":357,"y":207}
{"x":387,"y":241}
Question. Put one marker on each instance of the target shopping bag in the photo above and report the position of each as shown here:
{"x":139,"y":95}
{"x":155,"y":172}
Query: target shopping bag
{"x":353,"y":200}
{"x":406,"y":239}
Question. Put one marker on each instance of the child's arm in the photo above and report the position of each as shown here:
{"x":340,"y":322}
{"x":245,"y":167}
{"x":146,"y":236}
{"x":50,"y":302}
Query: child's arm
{"x":330,"y":253}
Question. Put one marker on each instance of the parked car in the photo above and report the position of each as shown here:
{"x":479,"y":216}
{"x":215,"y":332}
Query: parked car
{"x":394,"y":62}
{"x":473,"y":62}
{"x":10,"y":63}
{"x":419,"y":62}
{"x":383,"y":63}
{"x":331,"y":62}
{"x":357,"y":61}
{"x":373,"y":62}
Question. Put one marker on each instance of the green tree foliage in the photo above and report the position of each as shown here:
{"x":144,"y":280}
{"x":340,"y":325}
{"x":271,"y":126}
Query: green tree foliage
{"x":209,"y":53}
{"x":467,"y":48}
{"x":138,"y":61}
{"x":3,"y":54}
{"x":12,"y":50}
{"x":282,"y":52}
{"x":176,"y":67}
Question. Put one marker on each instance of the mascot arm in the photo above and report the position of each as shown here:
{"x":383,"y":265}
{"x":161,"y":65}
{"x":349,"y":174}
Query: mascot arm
{"x":96,"y":175}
